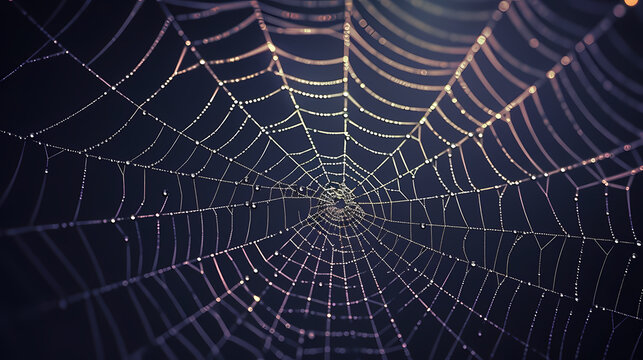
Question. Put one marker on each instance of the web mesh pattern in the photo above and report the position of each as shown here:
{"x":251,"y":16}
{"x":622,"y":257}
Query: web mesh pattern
{"x":322,"y":179}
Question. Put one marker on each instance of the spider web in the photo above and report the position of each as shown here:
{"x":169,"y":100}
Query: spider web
{"x":338,"y":179}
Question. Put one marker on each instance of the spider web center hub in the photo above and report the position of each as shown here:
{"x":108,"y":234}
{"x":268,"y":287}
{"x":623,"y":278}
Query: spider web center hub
{"x":337,"y":214}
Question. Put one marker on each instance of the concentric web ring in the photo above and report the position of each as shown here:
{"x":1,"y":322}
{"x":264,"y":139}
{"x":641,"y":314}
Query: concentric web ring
{"x":322,"y":179}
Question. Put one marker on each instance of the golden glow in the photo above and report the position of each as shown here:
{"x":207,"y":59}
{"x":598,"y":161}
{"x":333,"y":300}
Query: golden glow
{"x":631,"y":2}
